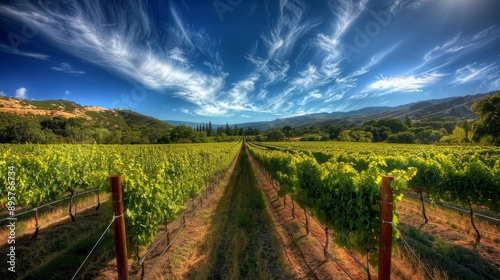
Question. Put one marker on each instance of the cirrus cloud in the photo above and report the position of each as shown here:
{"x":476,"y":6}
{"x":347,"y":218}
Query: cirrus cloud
{"x":410,"y":83}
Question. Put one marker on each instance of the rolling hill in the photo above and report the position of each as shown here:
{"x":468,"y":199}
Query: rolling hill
{"x":454,"y":108}
{"x":65,"y":119}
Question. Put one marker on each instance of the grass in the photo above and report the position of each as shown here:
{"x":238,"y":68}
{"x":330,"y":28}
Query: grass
{"x":242,"y":243}
{"x":449,"y":260}
{"x":243,"y":219}
{"x":59,"y":249}
{"x":457,"y":220}
{"x":65,"y":264}
{"x":51,"y":214}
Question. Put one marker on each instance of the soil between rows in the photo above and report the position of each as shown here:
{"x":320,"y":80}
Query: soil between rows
{"x":241,"y":233}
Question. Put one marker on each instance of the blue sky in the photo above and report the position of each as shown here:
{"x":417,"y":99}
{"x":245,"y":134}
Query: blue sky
{"x":241,"y":60}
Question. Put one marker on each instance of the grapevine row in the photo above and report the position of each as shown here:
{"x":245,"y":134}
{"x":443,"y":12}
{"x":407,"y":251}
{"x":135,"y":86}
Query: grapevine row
{"x":341,"y":197}
{"x":157,"y":179}
{"x":468,"y":175}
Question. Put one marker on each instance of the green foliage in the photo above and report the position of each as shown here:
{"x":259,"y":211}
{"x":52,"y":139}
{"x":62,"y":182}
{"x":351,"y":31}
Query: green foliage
{"x":157,"y":179}
{"x":395,"y":125}
{"x":406,"y":137}
{"x":107,"y":127}
{"x":342,"y":197}
{"x":340,"y":183}
{"x":275,"y":135}
{"x":488,"y":109}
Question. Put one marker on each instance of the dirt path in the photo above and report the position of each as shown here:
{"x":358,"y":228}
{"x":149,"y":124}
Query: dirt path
{"x":242,"y":243}
{"x":243,"y":230}
{"x":239,"y":233}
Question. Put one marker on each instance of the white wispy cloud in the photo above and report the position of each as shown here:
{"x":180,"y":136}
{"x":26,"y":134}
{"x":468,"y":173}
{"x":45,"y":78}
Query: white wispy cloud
{"x":262,"y":94}
{"x":66,"y":68}
{"x":2,"y":93}
{"x":351,"y":80}
{"x":457,"y":47}
{"x":311,"y":96}
{"x":106,"y":38}
{"x":178,"y":55}
{"x":314,"y":76}
{"x":238,"y":95}
{"x":486,"y":74}
{"x":21,"y":93}
{"x":333,"y":96}
{"x":179,"y":24}
{"x":185,"y":111}
{"x":378,"y":57}
{"x":308,"y":78}
{"x":290,"y":25}
{"x":194,"y":41}
{"x":345,"y":12}
{"x":410,"y":83}
{"x":272,"y":71}
{"x":279,"y":41}
{"x":67,"y":92}
{"x":398,"y":6}
{"x":14,"y":50}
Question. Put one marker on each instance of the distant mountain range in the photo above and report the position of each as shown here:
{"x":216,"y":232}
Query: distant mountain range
{"x":453,"y":108}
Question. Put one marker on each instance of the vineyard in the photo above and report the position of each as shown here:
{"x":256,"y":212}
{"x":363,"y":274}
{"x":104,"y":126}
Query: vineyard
{"x":157,"y":180}
{"x":340,"y":184}
{"x":331,"y":186}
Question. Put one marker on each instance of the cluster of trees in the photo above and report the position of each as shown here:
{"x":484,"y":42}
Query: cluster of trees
{"x":485,"y":131}
{"x":18,"y":129}
{"x":127,"y":127}
{"x":487,"y":128}
{"x":385,"y":130}
{"x":220,"y":131}
{"x":187,"y":134}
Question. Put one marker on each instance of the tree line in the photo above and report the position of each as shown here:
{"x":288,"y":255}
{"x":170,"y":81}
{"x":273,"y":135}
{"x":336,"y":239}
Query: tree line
{"x":484,"y":131}
{"x":127,"y":127}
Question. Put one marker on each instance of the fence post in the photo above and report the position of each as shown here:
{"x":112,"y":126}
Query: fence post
{"x":76,"y":204}
{"x":385,"y":240}
{"x":70,"y":211}
{"x":326,"y":242}
{"x":37,"y":226}
{"x":119,"y":227}
{"x":98,"y":199}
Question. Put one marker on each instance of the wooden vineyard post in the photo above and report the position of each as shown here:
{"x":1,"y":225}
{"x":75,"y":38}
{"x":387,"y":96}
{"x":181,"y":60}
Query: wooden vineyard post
{"x":385,"y":240}
{"x":326,"y":242}
{"x":76,"y":204}
{"x":119,"y":227}
{"x":70,"y":211}
{"x":37,"y":226}
{"x":98,"y":199}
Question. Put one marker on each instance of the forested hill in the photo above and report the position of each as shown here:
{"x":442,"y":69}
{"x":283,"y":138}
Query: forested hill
{"x":60,"y":121}
{"x":449,"y":109}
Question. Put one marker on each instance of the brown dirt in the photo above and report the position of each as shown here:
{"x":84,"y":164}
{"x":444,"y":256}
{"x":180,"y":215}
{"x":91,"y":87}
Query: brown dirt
{"x":303,"y":254}
{"x":304,"y":251}
{"x":37,"y":258}
{"x":450,"y":234}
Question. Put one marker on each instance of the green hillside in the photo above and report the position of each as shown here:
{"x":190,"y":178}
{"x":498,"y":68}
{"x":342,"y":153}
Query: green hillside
{"x":60,"y":121}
